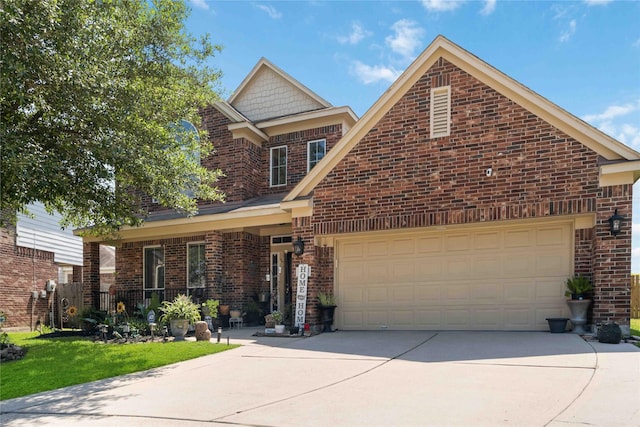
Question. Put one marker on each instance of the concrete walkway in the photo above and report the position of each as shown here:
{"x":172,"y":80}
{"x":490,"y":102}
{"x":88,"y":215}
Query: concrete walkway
{"x":387,"y":378}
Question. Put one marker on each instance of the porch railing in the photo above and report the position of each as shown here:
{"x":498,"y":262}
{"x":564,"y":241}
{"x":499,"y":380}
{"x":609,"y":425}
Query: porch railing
{"x":106,"y":301}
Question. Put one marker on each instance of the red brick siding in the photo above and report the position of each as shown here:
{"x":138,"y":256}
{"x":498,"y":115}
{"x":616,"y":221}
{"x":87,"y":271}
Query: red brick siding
{"x":612,"y":258}
{"x":246,"y":258}
{"x":296,"y":143}
{"x":23,"y":270}
{"x":397,"y":177}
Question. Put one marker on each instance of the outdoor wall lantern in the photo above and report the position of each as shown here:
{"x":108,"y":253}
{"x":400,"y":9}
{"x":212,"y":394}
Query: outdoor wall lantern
{"x":298,"y":247}
{"x":615,"y":223}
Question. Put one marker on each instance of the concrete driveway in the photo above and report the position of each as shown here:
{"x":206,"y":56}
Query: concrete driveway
{"x":364,"y":379}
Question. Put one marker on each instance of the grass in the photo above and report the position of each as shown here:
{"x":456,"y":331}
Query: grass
{"x":59,"y":362}
{"x":635,"y":327}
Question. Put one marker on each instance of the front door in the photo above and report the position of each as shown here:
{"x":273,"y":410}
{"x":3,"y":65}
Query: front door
{"x":281,"y":290}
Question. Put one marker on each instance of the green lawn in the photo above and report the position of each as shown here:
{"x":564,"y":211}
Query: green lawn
{"x":60,"y":362}
{"x":635,"y":327}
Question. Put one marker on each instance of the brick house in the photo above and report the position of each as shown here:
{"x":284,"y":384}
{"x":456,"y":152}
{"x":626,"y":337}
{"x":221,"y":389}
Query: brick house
{"x":460,"y":200}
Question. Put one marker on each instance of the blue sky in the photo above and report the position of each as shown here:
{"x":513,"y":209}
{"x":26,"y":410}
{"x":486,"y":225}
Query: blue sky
{"x":582,"y":55}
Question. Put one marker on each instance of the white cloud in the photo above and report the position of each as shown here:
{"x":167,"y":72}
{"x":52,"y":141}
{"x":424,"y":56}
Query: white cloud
{"x":407,"y":37}
{"x":489,"y":7}
{"x":441,"y":5}
{"x":271,"y":11}
{"x":200,"y":4}
{"x":597,"y":2}
{"x":372,"y":74}
{"x":619,"y":121}
{"x":569,"y":32}
{"x":612,"y":112}
{"x":357,"y":34}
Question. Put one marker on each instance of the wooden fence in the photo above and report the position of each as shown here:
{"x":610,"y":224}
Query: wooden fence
{"x":635,"y":296}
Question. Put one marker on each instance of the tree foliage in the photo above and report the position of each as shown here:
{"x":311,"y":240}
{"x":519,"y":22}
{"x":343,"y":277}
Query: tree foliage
{"x":92,"y":94}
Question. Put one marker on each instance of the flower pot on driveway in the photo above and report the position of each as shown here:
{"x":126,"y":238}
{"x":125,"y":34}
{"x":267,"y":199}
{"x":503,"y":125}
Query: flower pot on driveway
{"x":557,"y":325}
{"x":327,"y":312}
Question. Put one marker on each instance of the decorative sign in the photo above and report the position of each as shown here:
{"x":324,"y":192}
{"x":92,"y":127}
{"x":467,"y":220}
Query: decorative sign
{"x":303,"y":272}
{"x":151,"y":316}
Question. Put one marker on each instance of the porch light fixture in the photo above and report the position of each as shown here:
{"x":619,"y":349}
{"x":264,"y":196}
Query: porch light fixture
{"x":615,"y":223}
{"x":298,"y":246}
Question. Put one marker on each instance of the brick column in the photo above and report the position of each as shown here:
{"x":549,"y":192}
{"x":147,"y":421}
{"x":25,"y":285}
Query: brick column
{"x":612,"y":258}
{"x":213,"y":258}
{"x":91,"y":274}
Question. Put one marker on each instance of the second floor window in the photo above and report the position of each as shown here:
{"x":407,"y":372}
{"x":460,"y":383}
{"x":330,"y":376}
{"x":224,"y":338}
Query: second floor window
{"x":315,"y":152}
{"x":278,"y":166}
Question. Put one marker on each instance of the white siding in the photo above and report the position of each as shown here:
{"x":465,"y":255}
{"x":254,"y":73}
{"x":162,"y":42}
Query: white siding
{"x":43,"y":231}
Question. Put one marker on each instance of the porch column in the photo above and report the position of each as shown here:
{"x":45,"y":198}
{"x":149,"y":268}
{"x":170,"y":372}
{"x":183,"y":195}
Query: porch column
{"x":612,"y":258}
{"x":213,"y":259}
{"x":91,"y":274}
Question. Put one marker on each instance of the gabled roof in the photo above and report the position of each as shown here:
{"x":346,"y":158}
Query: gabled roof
{"x":268,"y":92}
{"x":441,"y":47}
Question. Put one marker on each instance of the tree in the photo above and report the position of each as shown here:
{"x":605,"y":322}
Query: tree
{"x":91,"y":100}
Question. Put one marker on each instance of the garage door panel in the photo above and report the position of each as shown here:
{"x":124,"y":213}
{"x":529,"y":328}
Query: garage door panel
{"x":457,"y":267}
{"x":428,"y":292}
{"x":401,"y":318}
{"x":509,"y":278}
{"x":376,"y":272}
{"x":402,"y":247}
{"x":487,"y":293}
{"x":429,"y":245}
{"x":400,"y":294}
{"x":376,"y":295}
{"x":459,"y":242}
{"x":379,"y":248}
{"x":487,"y":241}
{"x":519,"y":291}
{"x":430,"y":267}
{"x":518,"y":265}
{"x":488,"y":318}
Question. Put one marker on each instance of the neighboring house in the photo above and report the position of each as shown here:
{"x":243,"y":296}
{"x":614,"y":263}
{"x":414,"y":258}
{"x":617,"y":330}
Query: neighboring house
{"x":460,"y":200}
{"x":34,"y":251}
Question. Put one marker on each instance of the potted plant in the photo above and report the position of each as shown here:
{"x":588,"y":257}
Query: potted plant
{"x":276,"y":316}
{"x":180,"y":313}
{"x":577,"y":287}
{"x":210,"y":309}
{"x":327,"y":304}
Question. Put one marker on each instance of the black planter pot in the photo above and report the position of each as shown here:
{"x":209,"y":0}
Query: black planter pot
{"x":557,"y":325}
{"x":326,"y":315}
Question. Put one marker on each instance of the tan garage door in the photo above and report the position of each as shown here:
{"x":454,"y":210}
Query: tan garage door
{"x":507,"y":278}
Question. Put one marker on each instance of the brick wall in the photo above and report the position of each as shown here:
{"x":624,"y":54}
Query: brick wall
{"x":397,"y":177}
{"x":244,"y":265}
{"x":23,"y":270}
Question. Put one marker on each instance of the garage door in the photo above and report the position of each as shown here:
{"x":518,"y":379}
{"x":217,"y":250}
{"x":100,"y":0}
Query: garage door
{"x":508,"y":278}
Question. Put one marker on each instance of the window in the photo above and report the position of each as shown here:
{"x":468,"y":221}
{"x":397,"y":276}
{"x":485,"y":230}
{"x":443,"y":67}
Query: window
{"x":154,"y":268}
{"x":196,"y":265}
{"x":187,"y":134}
{"x":315,"y":152}
{"x":278,"y":164}
{"x":440,"y":111}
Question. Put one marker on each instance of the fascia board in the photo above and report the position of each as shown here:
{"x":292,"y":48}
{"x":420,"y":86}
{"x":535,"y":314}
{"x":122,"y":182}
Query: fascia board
{"x":248,"y":131}
{"x":313,"y":119}
{"x":239,"y":218}
{"x":619,"y":173}
{"x":230,"y":112}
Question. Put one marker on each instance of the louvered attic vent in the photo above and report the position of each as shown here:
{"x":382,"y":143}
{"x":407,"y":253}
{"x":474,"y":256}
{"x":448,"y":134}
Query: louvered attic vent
{"x":440,"y":111}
